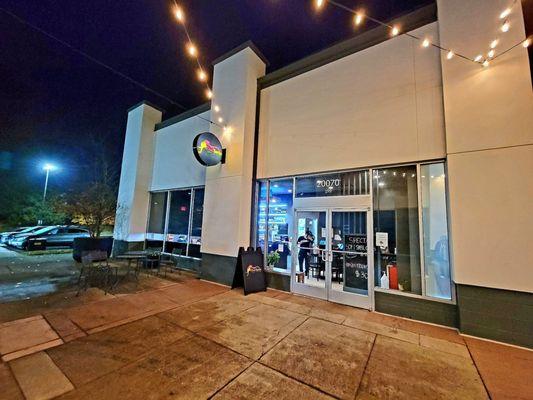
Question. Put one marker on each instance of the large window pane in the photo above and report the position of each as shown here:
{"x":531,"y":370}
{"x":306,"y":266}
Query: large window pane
{"x":280,"y":221}
{"x":196,"y":224}
{"x":396,"y":228}
{"x":340,"y":184}
{"x":435,"y":231}
{"x":158,"y":210}
{"x":261,"y":215}
{"x":178,"y":221}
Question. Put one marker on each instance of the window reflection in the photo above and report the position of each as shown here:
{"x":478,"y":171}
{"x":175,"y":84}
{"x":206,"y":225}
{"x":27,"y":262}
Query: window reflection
{"x":280,"y":221}
{"x":156,"y":222}
{"x":435,"y":231}
{"x":396,"y":223}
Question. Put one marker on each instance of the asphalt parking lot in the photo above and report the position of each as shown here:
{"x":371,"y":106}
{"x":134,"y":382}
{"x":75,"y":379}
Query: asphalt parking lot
{"x":23,"y":276}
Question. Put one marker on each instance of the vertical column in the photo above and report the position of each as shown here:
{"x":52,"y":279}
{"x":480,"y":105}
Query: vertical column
{"x":227,"y":204}
{"x":135,"y":177}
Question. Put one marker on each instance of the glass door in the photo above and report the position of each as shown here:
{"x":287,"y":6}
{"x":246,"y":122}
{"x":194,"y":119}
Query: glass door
{"x":349,"y":259}
{"x":333,"y":261}
{"x":311,"y":242}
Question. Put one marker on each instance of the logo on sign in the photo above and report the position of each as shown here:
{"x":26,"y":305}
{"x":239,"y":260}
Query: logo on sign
{"x":207,"y":149}
{"x":252,"y":268}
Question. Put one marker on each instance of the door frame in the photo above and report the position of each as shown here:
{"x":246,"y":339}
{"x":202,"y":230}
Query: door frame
{"x":327,"y":293}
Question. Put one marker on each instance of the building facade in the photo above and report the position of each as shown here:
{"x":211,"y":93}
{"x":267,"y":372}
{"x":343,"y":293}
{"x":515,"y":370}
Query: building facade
{"x":382,"y":174}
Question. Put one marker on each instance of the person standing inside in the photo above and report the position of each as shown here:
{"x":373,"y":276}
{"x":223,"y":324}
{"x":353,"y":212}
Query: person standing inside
{"x":305,"y":244}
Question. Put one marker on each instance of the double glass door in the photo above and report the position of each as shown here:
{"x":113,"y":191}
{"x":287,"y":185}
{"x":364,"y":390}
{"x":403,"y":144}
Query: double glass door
{"x":333,"y":260}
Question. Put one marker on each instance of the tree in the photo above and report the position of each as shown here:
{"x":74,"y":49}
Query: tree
{"x":93,"y":207}
{"x":32,"y":209}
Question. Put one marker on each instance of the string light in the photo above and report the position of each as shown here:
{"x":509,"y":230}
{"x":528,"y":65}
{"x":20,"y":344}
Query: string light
{"x":450,"y":55}
{"x":505,"y":13}
{"x":486,"y":63}
{"x":526,"y":43}
{"x":491,"y":54}
{"x":220,"y":120}
{"x":395,"y":31}
{"x":358,"y":19}
{"x":216,"y":108}
{"x":202,"y":76}
{"x":494,"y":43}
{"x":425,"y":43}
{"x":319,"y":4}
{"x":505,"y":27}
{"x":180,"y":16}
{"x":192,"y":50}
{"x":209,"y":94}
{"x":478,"y":58}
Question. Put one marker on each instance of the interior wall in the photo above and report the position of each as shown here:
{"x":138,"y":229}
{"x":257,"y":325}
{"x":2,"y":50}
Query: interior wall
{"x":174,"y":163}
{"x":378,"y":106}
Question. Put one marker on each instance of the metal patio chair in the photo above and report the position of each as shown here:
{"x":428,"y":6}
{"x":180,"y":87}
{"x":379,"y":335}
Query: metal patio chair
{"x":95,"y":267}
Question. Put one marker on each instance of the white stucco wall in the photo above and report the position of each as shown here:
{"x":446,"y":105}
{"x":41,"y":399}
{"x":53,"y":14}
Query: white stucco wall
{"x":489,"y":133}
{"x":174,"y":162}
{"x":381,"y":105}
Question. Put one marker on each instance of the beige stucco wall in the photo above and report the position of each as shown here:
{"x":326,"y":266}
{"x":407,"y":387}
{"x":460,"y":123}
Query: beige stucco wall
{"x":489,"y":133}
{"x":381,"y":105}
{"x":228,"y":187}
{"x":174,"y":163}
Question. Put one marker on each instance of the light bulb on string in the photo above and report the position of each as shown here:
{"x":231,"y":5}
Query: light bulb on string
{"x":358,"y":19}
{"x":209,"y":94}
{"x":395,"y":31}
{"x":494,"y":43}
{"x":450,"y":55}
{"x":425,"y":43}
{"x":526,"y":43}
{"x":220,"y":120}
{"x":505,"y":13}
{"x":505,"y":26}
{"x":478,"y":58}
{"x":216,"y":108}
{"x":490,"y":54}
{"x":180,"y":16}
{"x":202,"y":76}
{"x":486,"y":63}
{"x":319,"y":4}
{"x":192,"y":50}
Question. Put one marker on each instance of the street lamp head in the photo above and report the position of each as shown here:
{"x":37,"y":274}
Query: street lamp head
{"x":49,"y":167}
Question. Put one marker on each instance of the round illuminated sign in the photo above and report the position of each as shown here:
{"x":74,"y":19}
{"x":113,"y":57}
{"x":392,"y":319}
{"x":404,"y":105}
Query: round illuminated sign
{"x":207,"y":149}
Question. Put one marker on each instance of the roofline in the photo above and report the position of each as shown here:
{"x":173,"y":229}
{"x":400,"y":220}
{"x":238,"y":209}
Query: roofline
{"x":184,"y":115}
{"x":237,"y":49}
{"x":413,"y":20}
{"x":148,"y":104}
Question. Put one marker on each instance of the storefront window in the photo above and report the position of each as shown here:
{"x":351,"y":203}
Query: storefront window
{"x":178,"y":221}
{"x":196,"y":225}
{"x":280,"y":221}
{"x":435,"y":231}
{"x":397,"y":251}
{"x":158,"y":210}
{"x":261,"y":215}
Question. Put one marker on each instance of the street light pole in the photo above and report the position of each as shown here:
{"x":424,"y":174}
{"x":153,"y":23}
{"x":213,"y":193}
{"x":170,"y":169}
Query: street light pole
{"x":46,"y":183}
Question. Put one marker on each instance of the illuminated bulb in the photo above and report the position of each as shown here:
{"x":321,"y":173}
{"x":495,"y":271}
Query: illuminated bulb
{"x":486,"y":63}
{"x":505,"y":27}
{"x":209,"y":94}
{"x":179,"y":14}
{"x":505,"y":13}
{"x":395,"y":31}
{"x":478,"y":58}
{"x":319,"y":3}
{"x":491,"y":53}
{"x":526,"y":43}
{"x":228,"y":129}
{"x":192,"y":50}
{"x":217,"y":108}
{"x":202,"y":76}
{"x":425,"y":43}
{"x":358,"y":18}
{"x":450,"y":55}
{"x":220,"y":120}
{"x":494,"y":43}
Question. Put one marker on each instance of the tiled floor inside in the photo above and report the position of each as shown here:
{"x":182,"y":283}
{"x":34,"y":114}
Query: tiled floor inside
{"x":198,"y":340}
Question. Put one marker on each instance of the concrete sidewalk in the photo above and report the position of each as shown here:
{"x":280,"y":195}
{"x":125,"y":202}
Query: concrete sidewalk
{"x":197,"y":340}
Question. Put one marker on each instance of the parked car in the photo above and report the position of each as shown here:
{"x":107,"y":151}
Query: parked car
{"x":52,"y":236}
{"x":4,"y":235}
{"x":10,"y":236}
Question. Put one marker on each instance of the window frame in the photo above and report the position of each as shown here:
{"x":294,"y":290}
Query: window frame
{"x":168,"y":193}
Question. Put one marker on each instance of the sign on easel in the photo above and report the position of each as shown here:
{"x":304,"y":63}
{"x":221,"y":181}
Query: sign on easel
{"x":249,"y":271}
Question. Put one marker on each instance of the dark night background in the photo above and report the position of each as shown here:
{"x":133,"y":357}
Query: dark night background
{"x":52,"y":100}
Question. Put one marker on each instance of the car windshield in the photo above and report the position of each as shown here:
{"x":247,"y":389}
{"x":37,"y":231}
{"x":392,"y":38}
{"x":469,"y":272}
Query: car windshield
{"x":44,"y":230}
{"x":29,"y":229}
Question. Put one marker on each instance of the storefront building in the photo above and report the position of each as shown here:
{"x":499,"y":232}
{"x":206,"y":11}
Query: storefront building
{"x":381,"y":174}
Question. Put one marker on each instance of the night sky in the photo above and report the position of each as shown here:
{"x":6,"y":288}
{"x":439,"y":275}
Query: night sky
{"x":52,"y":100}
